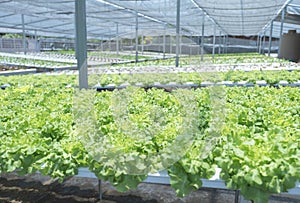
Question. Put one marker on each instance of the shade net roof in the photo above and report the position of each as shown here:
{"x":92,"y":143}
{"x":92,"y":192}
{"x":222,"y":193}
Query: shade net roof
{"x":107,"y":19}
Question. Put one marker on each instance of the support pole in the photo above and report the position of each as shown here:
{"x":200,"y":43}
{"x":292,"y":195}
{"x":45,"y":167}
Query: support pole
{"x":136,"y":34}
{"x":270,"y":38}
{"x":14,"y":42}
{"x":180,"y":43}
{"x":264,"y":42}
{"x":142,"y":44}
{"x":100,"y":189}
{"x":165,"y":27}
{"x":171,"y":44}
{"x":121,"y":44}
{"x":199,"y":48}
{"x":224,"y":43}
{"x":189,"y":46}
{"x":260,"y":44}
{"x":214,"y":42}
{"x":220,"y":39}
{"x":236,"y":196}
{"x":257,"y":42}
{"x":36,"y":42}
{"x":81,"y":38}
{"x":117,"y":39}
{"x":131,"y":46}
{"x":164,"y":43}
{"x":23,"y":32}
{"x":281,"y":30}
{"x":202,"y":37}
{"x":109,"y":44}
{"x":177,"y":33}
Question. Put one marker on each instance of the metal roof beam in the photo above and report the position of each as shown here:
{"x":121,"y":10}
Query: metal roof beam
{"x":205,"y":13}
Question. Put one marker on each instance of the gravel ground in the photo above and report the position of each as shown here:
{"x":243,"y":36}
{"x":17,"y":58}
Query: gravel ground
{"x":40,"y":189}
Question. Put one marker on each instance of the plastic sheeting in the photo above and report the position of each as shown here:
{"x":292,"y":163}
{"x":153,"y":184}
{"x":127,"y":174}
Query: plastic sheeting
{"x":291,"y":20}
{"x":242,"y":17}
{"x":107,"y":19}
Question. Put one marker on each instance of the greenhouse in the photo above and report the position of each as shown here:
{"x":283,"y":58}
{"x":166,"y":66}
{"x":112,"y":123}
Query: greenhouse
{"x":124,"y":101}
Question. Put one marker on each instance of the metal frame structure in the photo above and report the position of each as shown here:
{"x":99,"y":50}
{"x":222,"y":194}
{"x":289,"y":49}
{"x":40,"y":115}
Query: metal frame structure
{"x":151,"y":18}
{"x":83,"y":19}
{"x":56,"y":19}
{"x":163,"y":178}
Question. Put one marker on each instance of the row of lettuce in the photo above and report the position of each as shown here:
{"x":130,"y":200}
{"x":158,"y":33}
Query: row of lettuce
{"x":29,"y":62}
{"x":270,"y":77}
{"x":233,"y":59}
{"x":247,"y":58}
{"x":252,"y":134}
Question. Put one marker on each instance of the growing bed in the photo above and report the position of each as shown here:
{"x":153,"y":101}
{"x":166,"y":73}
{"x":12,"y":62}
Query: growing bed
{"x":250,"y":134}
